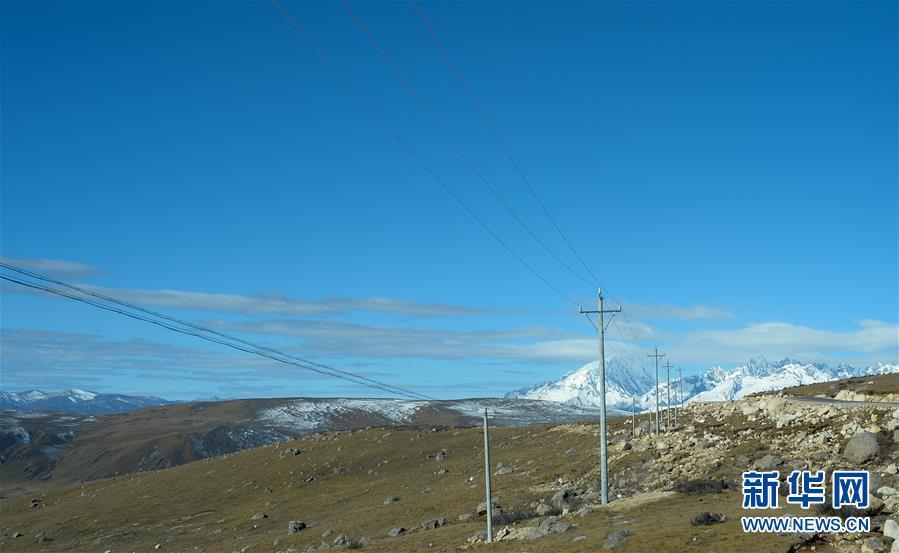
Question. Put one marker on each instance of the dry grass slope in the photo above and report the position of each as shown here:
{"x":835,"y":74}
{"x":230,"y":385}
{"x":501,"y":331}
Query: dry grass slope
{"x":340,"y":482}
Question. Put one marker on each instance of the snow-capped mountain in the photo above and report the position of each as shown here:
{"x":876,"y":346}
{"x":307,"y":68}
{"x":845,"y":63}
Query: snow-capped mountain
{"x":627,"y":380}
{"x":74,"y":400}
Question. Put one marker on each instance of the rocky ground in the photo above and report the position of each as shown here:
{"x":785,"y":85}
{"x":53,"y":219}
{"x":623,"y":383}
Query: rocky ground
{"x":418,"y":489}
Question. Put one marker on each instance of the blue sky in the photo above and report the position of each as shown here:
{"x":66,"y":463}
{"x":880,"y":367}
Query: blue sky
{"x":729,"y":171}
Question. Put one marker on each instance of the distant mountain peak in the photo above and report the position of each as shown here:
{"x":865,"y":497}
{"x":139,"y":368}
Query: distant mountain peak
{"x":76,"y":401}
{"x":626,"y":378}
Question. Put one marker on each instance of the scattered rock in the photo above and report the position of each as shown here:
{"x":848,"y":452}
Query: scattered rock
{"x":768,"y":462}
{"x":432,"y":523}
{"x":342,"y":539}
{"x":440,"y":456}
{"x":891,"y":529}
{"x":17,"y":534}
{"x":862,"y":447}
{"x":616,"y":538}
{"x":706,"y":518}
{"x":775,"y":405}
{"x":544,"y":510}
{"x":41,"y":537}
{"x":391,"y":500}
{"x":295,"y":526}
{"x":873,"y":545}
{"x":478,"y":536}
{"x":552,"y":525}
{"x":464,"y":516}
{"x":396,"y":531}
{"x":258,"y":516}
{"x":579,"y":538}
{"x":561,"y":498}
{"x":482,"y":508}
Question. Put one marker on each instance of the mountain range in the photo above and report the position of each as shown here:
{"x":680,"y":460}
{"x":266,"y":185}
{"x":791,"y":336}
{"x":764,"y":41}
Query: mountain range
{"x":75,"y":401}
{"x":629,"y":383}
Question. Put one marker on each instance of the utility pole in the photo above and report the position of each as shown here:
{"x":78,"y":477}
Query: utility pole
{"x":657,"y":356}
{"x":634,"y":416}
{"x":603,"y":441}
{"x":487,"y":480}
{"x":679,"y":402}
{"x":668,"y":401}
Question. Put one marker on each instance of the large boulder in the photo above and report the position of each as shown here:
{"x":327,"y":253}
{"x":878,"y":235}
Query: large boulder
{"x":862,"y":447}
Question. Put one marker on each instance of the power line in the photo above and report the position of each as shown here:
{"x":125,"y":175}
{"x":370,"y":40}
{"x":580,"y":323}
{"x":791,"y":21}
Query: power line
{"x":182,"y":322}
{"x":408,"y":147}
{"x":344,"y":375}
{"x":489,"y":124}
{"x":499,"y":140}
{"x":388,"y":60}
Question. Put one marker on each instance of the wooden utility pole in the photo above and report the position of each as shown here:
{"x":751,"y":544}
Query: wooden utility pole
{"x":603,"y":440}
{"x":657,"y":356}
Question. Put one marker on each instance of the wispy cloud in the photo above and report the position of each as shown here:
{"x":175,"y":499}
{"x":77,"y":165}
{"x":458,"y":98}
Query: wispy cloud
{"x":272,"y":304}
{"x":337,"y":338}
{"x":53,"y":360}
{"x":249,"y":304}
{"x":872,"y":340}
{"x":54,"y":267}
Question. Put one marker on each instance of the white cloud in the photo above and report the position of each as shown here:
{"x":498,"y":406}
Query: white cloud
{"x":337,"y":338}
{"x":873,"y":340}
{"x":53,"y":267}
{"x":274,"y":304}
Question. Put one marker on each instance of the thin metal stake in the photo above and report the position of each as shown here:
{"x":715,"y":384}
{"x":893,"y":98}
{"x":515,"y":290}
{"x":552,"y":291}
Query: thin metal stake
{"x":657,"y":355}
{"x":668,"y":401}
{"x":634,"y":416}
{"x":487,"y":480}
